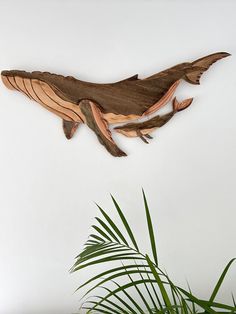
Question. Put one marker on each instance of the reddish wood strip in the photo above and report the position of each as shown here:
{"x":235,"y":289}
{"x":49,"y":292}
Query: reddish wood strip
{"x":101,"y":122}
{"x":164,"y":100}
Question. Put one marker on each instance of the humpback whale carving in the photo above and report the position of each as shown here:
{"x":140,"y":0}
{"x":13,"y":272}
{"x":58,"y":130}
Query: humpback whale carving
{"x":99,"y":105}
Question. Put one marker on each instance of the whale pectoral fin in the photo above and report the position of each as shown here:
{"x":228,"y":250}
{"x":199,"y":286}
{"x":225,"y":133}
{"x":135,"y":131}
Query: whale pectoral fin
{"x":69,"y":128}
{"x":97,"y":123}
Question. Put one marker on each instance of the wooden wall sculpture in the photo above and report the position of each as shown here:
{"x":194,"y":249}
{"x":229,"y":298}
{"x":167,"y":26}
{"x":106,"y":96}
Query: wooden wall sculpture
{"x":99,"y":105}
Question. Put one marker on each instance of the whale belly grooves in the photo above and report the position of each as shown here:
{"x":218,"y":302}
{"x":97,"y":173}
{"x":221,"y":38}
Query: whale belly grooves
{"x":44,"y":94}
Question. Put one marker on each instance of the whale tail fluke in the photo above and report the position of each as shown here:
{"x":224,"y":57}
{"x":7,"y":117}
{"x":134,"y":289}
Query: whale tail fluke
{"x":179,"y":106}
{"x":199,"y":66}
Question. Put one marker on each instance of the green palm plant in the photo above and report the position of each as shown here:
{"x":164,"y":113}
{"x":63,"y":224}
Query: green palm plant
{"x":138,"y":284}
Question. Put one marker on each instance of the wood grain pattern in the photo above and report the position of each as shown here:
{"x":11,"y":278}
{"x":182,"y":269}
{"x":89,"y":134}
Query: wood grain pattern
{"x":164,"y":100}
{"x":101,"y":105}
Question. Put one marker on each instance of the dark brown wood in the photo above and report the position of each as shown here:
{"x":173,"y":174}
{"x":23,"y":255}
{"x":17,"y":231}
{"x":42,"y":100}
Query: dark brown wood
{"x":100,"y":105}
{"x":69,"y":128}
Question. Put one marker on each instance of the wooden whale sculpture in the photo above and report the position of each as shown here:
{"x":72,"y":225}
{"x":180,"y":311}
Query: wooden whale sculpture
{"x":99,"y":105}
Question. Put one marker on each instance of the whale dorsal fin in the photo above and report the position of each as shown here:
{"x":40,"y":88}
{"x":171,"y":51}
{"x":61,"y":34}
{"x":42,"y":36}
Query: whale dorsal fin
{"x":131,"y":78}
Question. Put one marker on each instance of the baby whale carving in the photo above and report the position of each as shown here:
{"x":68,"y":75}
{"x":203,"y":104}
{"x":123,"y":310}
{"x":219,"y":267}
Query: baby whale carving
{"x":100,"y":105}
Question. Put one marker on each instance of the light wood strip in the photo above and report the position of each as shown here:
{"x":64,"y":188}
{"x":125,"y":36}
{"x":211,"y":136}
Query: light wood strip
{"x":13,"y":83}
{"x":134,"y":133}
{"x":113,"y":118}
{"x":28,"y":87}
{"x":61,"y":102}
{"x":7,"y":83}
{"x":37,"y":90}
{"x":21,"y":86}
{"x":30,"y":90}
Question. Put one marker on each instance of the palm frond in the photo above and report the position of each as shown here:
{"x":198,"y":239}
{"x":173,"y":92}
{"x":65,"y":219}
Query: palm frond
{"x":138,"y":286}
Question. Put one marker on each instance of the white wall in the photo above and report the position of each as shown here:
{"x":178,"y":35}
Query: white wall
{"x":48,"y":184}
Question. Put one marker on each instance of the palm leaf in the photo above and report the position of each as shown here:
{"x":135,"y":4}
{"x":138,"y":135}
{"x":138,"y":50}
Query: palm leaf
{"x":139,"y":293}
{"x":122,"y":288}
{"x":155,"y":292}
{"x":96,"y":237}
{"x":104,"y":251}
{"x":176,"y":304}
{"x":160,"y":284}
{"x":114,"y":276}
{"x":113,"y":225}
{"x":202,"y":304}
{"x":193,"y":304}
{"x":218,"y":305}
{"x":94,"y":248}
{"x":125,"y":223}
{"x":102,"y":233}
{"x":106,"y":307}
{"x":117,"y":257}
{"x":234,"y":303}
{"x":129,"y":297}
{"x":107,"y":229}
{"x":107,"y":272}
{"x":100,"y":310}
{"x":220,"y":281}
{"x":150,"y":229}
{"x":141,"y":273}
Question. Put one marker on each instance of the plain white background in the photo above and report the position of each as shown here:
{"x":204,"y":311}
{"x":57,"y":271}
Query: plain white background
{"x":48,"y":184}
